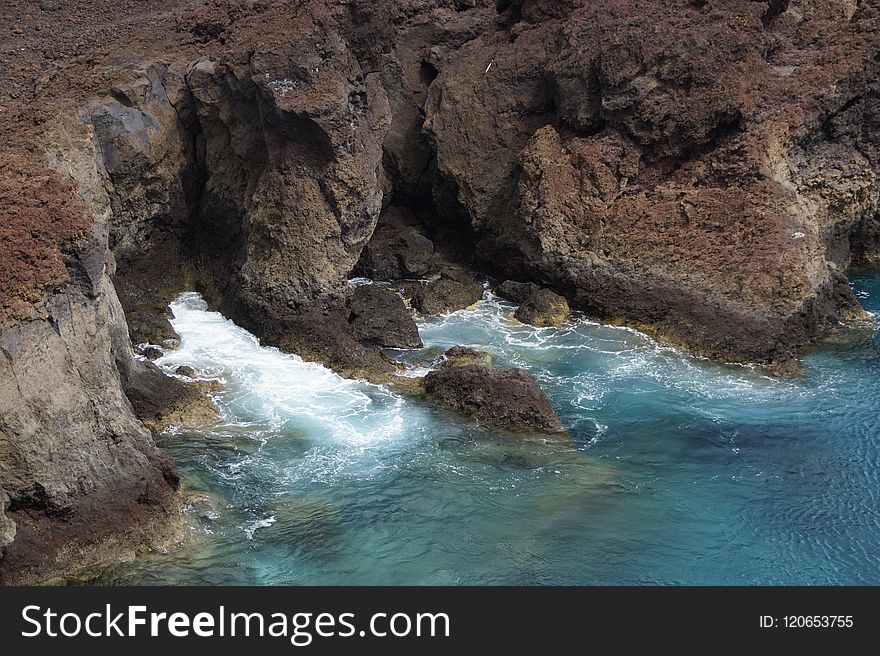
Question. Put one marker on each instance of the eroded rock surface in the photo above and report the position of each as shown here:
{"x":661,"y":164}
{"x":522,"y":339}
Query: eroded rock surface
{"x":543,"y":307}
{"x":510,"y":399}
{"x":85,"y":480}
{"x":704,"y":170}
{"x":460,"y":356}
{"x":660,"y":176}
{"x":377,"y":315}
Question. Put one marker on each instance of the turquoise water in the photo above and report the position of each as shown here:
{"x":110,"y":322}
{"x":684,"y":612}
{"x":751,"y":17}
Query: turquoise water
{"x":679,"y":471}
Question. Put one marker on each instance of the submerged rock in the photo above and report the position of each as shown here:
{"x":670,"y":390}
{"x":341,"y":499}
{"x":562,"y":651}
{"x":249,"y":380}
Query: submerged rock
{"x":204,"y":506}
{"x":378,"y":316}
{"x":460,"y":356}
{"x":505,"y":398}
{"x":543,"y":308}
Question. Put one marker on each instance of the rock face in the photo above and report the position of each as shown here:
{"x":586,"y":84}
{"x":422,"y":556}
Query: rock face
{"x":505,"y":398}
{"x":685,"y":175}
{"x":543,"y":308}
{"x":70,"y":445}
{"x":704,"y":170}
{"x":378,"y":316}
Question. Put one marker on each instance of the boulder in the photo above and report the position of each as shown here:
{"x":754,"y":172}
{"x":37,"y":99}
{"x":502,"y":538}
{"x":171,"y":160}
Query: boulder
{"x":460,"y":356}
{"x":454,"y":290}
{"x":510,"y":399}
{"x":151,"y":352}
{"x":515,"y":291}
{"x":397,"y":249}
{"x":543,"y":308}
{"x":378,"y":316}
{"x":186,"y":371}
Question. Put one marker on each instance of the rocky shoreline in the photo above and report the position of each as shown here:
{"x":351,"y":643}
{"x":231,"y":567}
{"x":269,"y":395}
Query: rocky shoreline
{"x":705,"y":171}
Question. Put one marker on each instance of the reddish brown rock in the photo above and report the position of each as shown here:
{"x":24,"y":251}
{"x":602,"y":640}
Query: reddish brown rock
{"x":505,"y":398}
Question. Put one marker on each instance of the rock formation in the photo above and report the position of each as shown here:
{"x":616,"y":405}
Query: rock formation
{"x":378,"y":316}
{"x":510,"y":399}
{"x":543,"y":308}
{"x":703,"y":170}
{"x":459,"y":356}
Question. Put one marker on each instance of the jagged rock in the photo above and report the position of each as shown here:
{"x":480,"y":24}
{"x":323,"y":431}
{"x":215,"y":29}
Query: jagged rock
{"x":517,"y":292}
{"x":543,"y":308}
{"x":397,"y":248}
{"x":708,"y":173}
{"x":378,"y":316}
{"x":635,"y":172}
{"x":69,"y":443}
{"x":160,"y":401}
{"x":460,"y":356}
{"x":505,"y":398}
{"x":454,"y":290}
{"x":151,"y":352}
{"x":323,"y":334}
{"x":184,"y":370}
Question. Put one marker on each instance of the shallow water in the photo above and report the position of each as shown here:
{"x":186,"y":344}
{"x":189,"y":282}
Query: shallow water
{"x":679,"y":470}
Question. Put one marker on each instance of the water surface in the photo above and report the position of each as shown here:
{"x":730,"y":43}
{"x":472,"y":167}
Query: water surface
{"x":679,"y":471}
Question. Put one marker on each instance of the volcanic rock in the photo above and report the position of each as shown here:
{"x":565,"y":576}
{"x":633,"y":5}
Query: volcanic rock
{"x":454,"y":290}
{"x":460,"y":356}
{"x":378,"y":316}
{"x":543,"y":308}
{"x":510,"y":399}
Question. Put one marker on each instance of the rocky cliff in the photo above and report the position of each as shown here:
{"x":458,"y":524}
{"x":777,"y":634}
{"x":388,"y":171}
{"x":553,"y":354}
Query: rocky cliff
{"x":703,"y":170}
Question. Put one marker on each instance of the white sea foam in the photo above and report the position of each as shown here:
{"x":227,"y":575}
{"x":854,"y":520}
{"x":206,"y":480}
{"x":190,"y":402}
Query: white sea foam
{"x":278,"y":388}
{"x":252,"y":528}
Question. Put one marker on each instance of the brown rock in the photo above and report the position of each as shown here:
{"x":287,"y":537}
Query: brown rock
{"x":378,"y":316}
{"x":447,"y":294}
{"x":636,"y":172}
{"x":543,"y":308}
{"x":397,"y":249}
{"x":460,"y":356}
{"x":151,"y":352}
{"x":517,"y":292}
{"x":187,"y":371}
{"x":161,"y":401}
{"x":505,"y":398}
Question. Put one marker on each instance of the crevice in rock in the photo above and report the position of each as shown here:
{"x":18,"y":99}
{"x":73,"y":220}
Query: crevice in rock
{"x":427,"y":73}
{"x":774,"y":9}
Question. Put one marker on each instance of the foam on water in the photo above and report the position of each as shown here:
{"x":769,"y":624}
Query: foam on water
{"x":276,"y":389}
{"x":680,"y":470}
